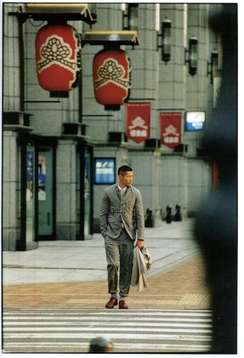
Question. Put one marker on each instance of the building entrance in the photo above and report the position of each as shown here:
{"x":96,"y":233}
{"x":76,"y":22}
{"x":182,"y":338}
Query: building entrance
{"x":30,"y":197}
{"x":85,"y":174}
{"x":46,"y":193}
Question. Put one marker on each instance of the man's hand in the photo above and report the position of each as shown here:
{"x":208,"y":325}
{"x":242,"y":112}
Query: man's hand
{"x":140,"y":244}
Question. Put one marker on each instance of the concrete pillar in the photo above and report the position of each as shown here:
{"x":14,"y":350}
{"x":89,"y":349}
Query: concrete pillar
{"x":11,"y":198}
{"x":66,"y":190}
{"x":156,"y":163}
{"x":183,"y":185}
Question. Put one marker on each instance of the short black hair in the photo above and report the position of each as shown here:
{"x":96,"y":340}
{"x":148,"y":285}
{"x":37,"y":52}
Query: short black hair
{"x":100,"y":345}
{"x":124,"y":168}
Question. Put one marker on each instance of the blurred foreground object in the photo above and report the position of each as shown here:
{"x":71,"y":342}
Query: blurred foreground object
{"x":100,"y":345}
{"x":216,"y":224}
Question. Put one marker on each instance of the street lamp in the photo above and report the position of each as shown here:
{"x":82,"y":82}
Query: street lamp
{"x":212,"y":65}
{"x":191,"y":55}
{"x":165,"y":40}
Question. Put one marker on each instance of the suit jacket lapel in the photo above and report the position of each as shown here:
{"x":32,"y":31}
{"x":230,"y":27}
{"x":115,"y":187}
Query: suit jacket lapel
{"x":117,"y":192}
{"x":126,"y":195}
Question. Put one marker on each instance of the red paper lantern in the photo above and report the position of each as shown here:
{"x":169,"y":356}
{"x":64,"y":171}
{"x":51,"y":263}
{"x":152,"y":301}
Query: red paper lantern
{"x":57,"y":55}
{"x":111,"y":75}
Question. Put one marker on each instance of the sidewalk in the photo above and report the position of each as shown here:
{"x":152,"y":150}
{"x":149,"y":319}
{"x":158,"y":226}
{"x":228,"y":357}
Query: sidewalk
{"x":72,"y":274}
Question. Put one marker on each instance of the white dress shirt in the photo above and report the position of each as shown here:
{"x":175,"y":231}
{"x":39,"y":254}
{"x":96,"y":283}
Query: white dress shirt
{"x":122,"y":190}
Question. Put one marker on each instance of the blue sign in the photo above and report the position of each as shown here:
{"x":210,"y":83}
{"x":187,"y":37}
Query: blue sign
{"x":195,"y":121}
{"x":29,"y":165}
{"x":105,"y":171}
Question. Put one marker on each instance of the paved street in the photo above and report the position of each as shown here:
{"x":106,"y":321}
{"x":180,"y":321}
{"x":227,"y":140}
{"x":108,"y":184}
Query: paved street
{"x":80,"y":261}
{"x":138,"y":331}
{"x":73,"y":274}
{"x":63,"y":286}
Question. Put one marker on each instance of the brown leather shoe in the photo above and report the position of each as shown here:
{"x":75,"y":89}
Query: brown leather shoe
{"x":112,"y":302}
{"x":123,"y":305}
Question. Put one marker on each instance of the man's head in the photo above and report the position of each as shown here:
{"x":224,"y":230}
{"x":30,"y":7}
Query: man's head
{"x":126,"y":175}
{"x":100,"y":345}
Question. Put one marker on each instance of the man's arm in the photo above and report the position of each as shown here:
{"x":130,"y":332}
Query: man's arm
{"x":104,"y":214}
{"x":139,"y":212}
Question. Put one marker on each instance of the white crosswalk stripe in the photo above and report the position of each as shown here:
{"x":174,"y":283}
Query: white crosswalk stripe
{"x":140,"y":331}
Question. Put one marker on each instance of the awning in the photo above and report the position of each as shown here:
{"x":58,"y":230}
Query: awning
{"x":107,"y":37}
{"x":58,"y":11}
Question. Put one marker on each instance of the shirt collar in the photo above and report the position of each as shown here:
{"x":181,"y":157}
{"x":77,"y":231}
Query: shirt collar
{"x":122,"y":189}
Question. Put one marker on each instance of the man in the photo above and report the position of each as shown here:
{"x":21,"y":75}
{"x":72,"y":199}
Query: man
{"x":100,"y":345}
{"x":121,"y":223}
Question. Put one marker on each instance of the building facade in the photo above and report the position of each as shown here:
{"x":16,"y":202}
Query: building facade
{"x":54,"y":146}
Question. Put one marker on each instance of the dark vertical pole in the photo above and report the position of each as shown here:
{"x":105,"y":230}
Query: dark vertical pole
{"x":21,"y":244}
{"x":82,"y":154}
{"x":54,"y":149}
{"x":91,"y":190}
{"x":36,"y":189}
{"x":22,"y":64}
{"x":82,"y":188}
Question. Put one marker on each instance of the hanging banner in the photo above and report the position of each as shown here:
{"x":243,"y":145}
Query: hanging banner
{"x":138,"y":121}
{"x":170,"y":128}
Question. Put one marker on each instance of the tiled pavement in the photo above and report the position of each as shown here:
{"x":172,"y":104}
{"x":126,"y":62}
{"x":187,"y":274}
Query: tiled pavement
{"x":73,"y":274}
{"x":182,"y":287}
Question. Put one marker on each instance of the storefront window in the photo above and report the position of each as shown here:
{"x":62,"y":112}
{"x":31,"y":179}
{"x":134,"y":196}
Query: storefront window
{"x":45,"y":192}
{"x":30,"y":193}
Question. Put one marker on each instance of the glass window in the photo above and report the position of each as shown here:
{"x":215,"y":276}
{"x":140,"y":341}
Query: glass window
{"x":45,"y":191}
{"x":30,"y":193}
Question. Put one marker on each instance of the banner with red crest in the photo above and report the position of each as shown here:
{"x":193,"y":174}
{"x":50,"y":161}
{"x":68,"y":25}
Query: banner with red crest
{"x":138,"y":121}
{"x":170,"y":128}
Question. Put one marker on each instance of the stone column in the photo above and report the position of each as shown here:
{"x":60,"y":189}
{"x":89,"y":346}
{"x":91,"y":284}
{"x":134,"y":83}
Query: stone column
{"x":66,"y":190}
{"x":156,"y":163}
{"x":11,"y":199}
{"x":183,"y":185}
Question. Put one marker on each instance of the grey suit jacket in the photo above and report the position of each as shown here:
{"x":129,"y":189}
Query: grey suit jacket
{"x":116,"y":213}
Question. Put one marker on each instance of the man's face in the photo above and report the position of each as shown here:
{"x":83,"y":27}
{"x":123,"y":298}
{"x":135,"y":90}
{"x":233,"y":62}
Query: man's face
{"x":126,"y":178}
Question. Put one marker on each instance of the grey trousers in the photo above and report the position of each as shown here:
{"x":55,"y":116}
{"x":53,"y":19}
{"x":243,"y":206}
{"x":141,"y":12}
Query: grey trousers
{"x":119,"y":255}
